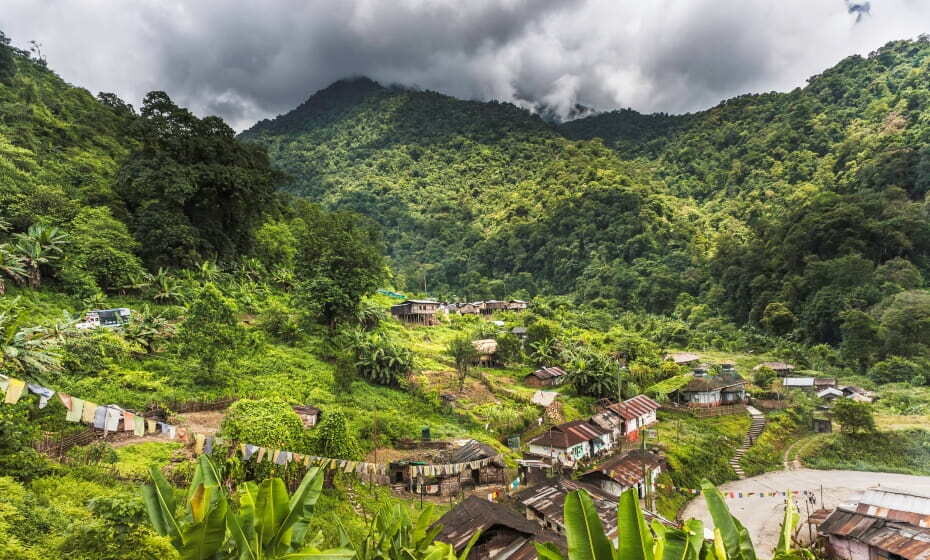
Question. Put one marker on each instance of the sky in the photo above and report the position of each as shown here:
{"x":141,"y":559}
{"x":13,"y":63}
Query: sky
{"x":246,"y":60}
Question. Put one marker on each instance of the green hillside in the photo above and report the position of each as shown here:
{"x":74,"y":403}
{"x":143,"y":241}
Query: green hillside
{"x":781,"y":210}
{"x":482,"y":199}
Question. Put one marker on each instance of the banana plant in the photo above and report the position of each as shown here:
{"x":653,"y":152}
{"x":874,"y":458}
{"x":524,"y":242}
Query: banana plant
{"x":200,"y":532}
{"x":638,"y":540}
{"x":270,"y":525}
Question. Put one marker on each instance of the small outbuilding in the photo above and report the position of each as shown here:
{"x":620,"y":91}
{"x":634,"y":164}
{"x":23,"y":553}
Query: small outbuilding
{"x":309,"y":415}
{"x":486,"y":350}
{"x":683,"y":358}
{"x":712,"y":390}
{"x":780,"y":368}
{"x":545,"y":377}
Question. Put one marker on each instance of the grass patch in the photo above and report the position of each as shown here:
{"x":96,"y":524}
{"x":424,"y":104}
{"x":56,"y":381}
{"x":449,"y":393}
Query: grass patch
{"x":781,"y":430}
{"x":903,"y":451}
{"x":700,"y":448}
{"x":134,"y":460}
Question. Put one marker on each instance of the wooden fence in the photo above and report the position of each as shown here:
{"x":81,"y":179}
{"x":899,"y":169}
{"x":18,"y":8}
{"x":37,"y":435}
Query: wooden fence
{"x":201,"y":405}
{"x":57,"y":445}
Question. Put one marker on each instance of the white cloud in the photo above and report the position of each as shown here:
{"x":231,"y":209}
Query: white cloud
{"x":250,"y":60}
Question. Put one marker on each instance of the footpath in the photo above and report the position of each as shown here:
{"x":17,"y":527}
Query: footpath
{"x":755,"y":429}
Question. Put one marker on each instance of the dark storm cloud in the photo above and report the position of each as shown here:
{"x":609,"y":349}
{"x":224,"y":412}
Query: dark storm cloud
{"x":250,"y":60}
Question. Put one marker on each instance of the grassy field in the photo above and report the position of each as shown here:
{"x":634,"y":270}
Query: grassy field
{"x":903,"y":451}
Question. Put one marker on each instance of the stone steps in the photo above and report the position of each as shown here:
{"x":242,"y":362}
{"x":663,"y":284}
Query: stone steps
{"x":756,"y":425}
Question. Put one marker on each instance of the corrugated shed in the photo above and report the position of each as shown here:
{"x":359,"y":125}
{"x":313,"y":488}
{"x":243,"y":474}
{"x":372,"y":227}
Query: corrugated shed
{"x":548,"y":373}
{"x":627,"y":469}
{"x":798,"y":382}
{"x":907,"y":541}
{"x":566,"y":435}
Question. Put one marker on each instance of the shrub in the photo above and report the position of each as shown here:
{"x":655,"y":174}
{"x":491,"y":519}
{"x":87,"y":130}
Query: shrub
{"x":265,"y":422}
{"x":379,"y":359}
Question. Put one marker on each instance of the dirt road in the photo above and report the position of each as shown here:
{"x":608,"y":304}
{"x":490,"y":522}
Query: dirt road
{"x":762,"y":516}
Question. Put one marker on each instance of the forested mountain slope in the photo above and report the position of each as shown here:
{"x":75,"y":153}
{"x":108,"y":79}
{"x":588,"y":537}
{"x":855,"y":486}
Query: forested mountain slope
{"x":58,"y":144}
{"x":481,"y":199}
{"x":783,"y":209}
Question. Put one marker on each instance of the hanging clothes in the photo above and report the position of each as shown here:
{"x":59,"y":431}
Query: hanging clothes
{"x":44,"y":393}
{"x":182,"y":435}
{"x":151,"y":425}
{"x":65,"y":400}
{"x":282,"y":458}
{"x":208,"y":445}
{"x":100,"y":417}
{"x":172,"y":432}
{"x":261,"y":455}
{"x":247,"y":451}
{"x":199,"y":440}
{"x":129,"y":421}
{"x":138,"y":426}
{"x":113,"y":416}
{"x":76,"y":410}
{"x":14,"y":390}
{"x":90,"y":410}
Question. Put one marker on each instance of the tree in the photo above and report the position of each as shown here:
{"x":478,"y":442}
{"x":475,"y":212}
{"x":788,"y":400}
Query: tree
{"x":7,"y":63}
{"x":463,"y":355}
{"x":331,"y":437}
{"x":379,"y":359}
{"x":763,"y":377}
{"x":778,"y":319}
{"x":905,"y":320}
{"x":339,"y":261}
{"x":103,"y":247}
{"x":211,"y":332}
{"x":11,"y":266}
{"x":193,"y":191}
{"x":895,"y":369}
{"x":41,"y":245}
{"x":26,"y":351}
{"x":861,"y":338}
{"x":853,"y":416}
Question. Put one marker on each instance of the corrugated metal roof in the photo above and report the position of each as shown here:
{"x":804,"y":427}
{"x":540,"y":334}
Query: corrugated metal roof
{"x":549,"y":501}
{"x":798,"y":382}
{"x":896,"y":499}
{"x":627,"y":469}
{"x":566,"y":435}
{"x":912,"y":543}
{"x":682,"y":357}
{"x":548,"y":372}
{"x":640,"y":405}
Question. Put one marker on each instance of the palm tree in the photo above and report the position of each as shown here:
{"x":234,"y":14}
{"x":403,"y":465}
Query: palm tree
{"x":11,"y":266}
{"x":26,"y":351}
{"x":40,"y":245}
{"x":166,"y":287}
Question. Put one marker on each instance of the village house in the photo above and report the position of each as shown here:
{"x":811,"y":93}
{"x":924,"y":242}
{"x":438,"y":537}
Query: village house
{"x":309,"y":415}
{"x":780,"y":368}
{"x":467,"y":466}
{"x":486,"y":350}
{"x":493,"y":306}
{"x":808,"y":383}
{"x":417,"y":311}
{"x":571,"y":442}
{"x":519,"y":332}
{"x":545,"y":504}
{"x":634,"y":469}
{"x":712,"y":390}
{"x":517,"y":305}
{"x":683,"y":358}
{"x":884,"y":523}
{"x":636,"y":413}
{"x":466,"y":309}
{"x":505,"y":535}
{"x":830,"y":393}
{"x":545,"y":377}
{"x":858,"y":393}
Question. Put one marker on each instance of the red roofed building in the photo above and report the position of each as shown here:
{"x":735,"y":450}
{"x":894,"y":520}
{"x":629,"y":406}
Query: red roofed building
{"x":625,"y":419}
{"x":571,"y":442}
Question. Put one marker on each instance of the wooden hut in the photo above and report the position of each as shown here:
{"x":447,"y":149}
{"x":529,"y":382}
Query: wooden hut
{"x":417,"y":311}
{"x":545,"y":377}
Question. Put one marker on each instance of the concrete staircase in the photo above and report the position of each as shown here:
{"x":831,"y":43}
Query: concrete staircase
{"x":756,"y":426}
